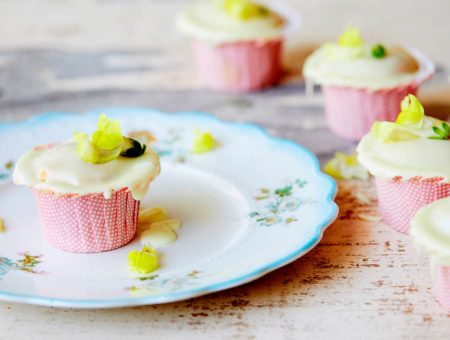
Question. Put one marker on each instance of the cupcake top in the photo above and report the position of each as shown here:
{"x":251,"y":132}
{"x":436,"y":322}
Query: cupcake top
{"x":353,"y":62}
{"x":222,"y":21}
{"x":430,"y":229}
{"x":105,"y":163}
{"x":414,"y":146}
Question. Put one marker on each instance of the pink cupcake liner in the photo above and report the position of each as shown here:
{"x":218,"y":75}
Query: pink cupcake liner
{"x":351,"y":112}
{"x":88,"y":223}
{"x":238,"y":66}
{"x":441,"y":286}
{"x":399,"y":200}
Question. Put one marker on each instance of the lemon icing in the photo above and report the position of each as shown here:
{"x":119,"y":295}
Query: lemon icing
{"x":212,"y":21}
{"x":60,"y":169}
{"x":430,"y":229}
{"x":352,"y":62}
{"x":414,"y":146}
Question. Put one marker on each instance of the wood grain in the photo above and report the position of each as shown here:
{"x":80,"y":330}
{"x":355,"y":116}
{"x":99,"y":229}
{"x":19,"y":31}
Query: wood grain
{"x":363,"y":280}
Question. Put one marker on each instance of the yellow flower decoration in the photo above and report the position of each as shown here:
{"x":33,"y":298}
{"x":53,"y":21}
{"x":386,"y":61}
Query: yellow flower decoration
{"x":203,"y":142}
{"x":392,"y":132}
{"x":105,"y":145}
{"x":144,"y":261}
{"x":351,"y":38}
{"x":344,"y":166}
{"x":412,"y":113}
{"x":245,"y":10}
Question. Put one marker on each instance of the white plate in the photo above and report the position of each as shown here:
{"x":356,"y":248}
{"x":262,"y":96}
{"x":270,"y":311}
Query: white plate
{"x":251,"y":206}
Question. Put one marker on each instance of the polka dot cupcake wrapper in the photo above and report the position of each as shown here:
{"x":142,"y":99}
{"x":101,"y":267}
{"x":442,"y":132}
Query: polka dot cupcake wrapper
{"x":442,"y":285}
{"x":88,"y":223}
{"x":399,"y":200}
{"x":350,"y":112}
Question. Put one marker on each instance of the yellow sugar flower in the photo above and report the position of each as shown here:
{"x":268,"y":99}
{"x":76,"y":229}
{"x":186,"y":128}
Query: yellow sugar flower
{"x":350,"y":38}
{"x":412,"y":113}
{"x":344,"y":166}
{"x":245,"y":10}
{"x":392,"y":132}
{"x":105,"y":145}
{"x":203,"y":142}
{"x":144,"y":261}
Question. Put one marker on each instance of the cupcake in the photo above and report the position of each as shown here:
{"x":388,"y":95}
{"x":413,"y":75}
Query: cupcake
{"x":88,"y":189}
{"x":410,"y":160}
{"x":363,"y":82}
{"x":237,"y":43}
{"x":430,"y":229}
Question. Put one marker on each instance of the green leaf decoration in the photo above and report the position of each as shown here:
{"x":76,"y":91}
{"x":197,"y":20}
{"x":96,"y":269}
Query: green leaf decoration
{"x":442,"y":133}
{"x":286,"y":191}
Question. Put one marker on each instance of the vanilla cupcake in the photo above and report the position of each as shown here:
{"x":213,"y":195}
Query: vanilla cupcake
{"x":363,"y":82}
{"x":237,"y":43}
{"x":430,"y":229}
{"x":88,"y":189}
{"x":410,"y":160}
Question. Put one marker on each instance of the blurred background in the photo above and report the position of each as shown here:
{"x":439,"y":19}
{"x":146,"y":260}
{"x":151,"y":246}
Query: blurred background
{"x":73,"y":55}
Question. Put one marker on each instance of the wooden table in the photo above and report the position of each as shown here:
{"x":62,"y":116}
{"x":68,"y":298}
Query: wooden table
{"x":362,"y":280}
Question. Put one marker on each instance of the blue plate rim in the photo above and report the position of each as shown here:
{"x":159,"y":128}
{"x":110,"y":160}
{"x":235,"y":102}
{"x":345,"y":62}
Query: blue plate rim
{"x":294,"y":147}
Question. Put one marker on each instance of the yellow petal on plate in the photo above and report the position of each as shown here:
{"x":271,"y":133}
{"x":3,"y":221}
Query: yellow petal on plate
{"x":144,"y":261}
{"x":171,"y":223}
{"x":2,"y":225}
{"x":158,"y":235}
{"x":343,"y":166}
{"x":203,"y":142}
{"x":152,"y":215}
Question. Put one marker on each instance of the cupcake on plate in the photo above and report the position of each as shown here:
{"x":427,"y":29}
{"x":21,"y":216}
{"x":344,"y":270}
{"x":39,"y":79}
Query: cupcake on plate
{"x":363,"y":82}
{"x":430,"y":229}
{"x":237,"y":43}
{"x":410,"y":160}
{"x":88,"y":189}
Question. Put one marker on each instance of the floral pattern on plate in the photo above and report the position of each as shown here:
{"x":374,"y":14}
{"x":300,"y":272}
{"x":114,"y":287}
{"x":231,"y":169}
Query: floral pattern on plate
{"x":26,"y":263}
{"x":280,"y":204}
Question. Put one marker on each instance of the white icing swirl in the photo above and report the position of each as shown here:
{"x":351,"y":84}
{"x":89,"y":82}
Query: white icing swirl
{"x":207,"y":20}
{"x":334,"y":65}
{"x":60,"y":169}
{"x":422,"y":157}
{"x":430,"y":229}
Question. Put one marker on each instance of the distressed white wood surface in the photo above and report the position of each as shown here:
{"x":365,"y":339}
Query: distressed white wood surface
{"x":362,"y":280}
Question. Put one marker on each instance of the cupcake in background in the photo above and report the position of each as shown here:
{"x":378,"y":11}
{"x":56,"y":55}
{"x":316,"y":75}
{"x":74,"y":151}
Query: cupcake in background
{"x":237,"y":43}
{"x":363,"y":82}
{"x":88,"y":190}
{"x":410,"y":159}
{"x":430,"y":229}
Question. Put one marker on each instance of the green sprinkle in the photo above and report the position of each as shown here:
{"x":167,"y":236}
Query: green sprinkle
{"x":378,"y":51}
